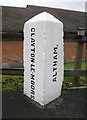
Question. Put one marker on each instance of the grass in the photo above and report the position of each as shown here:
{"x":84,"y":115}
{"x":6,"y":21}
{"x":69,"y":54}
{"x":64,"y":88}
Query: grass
{"x":71,"y":65}
{"x":0,"y":82}
{"x":15,"y":83}
{"x":70,"y":81}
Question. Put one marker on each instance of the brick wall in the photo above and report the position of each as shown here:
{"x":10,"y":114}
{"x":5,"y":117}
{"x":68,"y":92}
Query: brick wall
{"x":70,"y":51}
{"x":13,"y":51}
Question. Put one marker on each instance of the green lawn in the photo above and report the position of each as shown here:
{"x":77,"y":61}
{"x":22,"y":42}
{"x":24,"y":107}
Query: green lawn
{"x":71,"y":65}
{"x":69,"y":81}
{"x":16,"y":82}
{"x":12,"y":83}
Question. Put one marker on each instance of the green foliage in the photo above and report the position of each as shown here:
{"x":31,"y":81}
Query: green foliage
{"x":84,"y":65}
{"x":70,"y":81}
{"x":15,"y":83}
{"x":71,"y":65}
{"x":12,"y":83}
{"x":0,"y":82}
{"x":83,"y":81}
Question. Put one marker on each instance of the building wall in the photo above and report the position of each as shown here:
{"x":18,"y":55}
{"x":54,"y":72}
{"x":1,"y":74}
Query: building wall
{"x":12,"y":51}
{"x":70,"y":51}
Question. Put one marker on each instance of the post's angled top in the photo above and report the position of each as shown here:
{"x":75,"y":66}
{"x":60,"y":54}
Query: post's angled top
{"x":44,"y":16}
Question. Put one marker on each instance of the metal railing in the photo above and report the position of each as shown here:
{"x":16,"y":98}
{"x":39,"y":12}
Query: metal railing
{"x":20,"y":72}
{"x":68,"y":37}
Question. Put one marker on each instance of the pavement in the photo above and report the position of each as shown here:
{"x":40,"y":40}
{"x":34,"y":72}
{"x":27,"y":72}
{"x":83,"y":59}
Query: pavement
{"x":71,"y":105}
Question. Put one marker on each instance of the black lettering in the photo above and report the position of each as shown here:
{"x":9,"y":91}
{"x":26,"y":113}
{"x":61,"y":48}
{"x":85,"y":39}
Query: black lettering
{"x":32,"y":40}
{"x":32,"y":70}
{"x":32,"y":65}
{"x":33,"y":60}
{"x":32,"y":82}
{"x":32,"y":34}
{"x":32,"y":97}
{"x":54,"y":63}
{"x":32,"y":92}
{"x":54,"y":68}
{"x":32,"y":29}
{"x":55,"y":50}
{"x":32,"y":76}
{"x":55,"y":57}
{"x":33,"y":44}
{"x":33,"y":49}
{"x":32,"y":55}
{"x":55,"y":79}
{"x":55,"y":74}
{"x":32,"y":87}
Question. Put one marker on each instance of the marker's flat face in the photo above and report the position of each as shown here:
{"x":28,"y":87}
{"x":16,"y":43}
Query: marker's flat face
{"x":43,"y":58}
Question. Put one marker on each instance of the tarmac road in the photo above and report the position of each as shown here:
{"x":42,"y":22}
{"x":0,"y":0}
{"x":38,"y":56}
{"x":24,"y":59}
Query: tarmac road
{"x":71,"y":105}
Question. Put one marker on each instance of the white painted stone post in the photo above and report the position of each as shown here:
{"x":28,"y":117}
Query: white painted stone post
{"x":43,"y":58}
